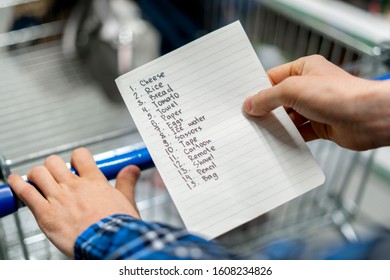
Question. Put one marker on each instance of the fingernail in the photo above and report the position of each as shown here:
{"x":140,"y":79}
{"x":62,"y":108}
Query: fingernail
{"x":248,"y":104}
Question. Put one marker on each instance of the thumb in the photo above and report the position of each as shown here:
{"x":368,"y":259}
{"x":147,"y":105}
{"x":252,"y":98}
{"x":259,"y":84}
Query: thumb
{"x":262,"y":103}
{"x":286,"y":94}
{"x":126,"y":180}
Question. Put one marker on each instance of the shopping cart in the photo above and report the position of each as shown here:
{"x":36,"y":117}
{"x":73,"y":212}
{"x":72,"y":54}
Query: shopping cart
{"x":49,"y":100}
{"x":281,"y":31}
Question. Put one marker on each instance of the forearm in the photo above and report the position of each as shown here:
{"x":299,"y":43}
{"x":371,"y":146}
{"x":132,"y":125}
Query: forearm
{"x":123,"y":237}
{"x":373,"y":114}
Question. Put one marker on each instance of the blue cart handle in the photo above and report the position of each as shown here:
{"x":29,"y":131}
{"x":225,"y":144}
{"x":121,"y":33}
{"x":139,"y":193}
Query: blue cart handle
{"x":109,"y":166}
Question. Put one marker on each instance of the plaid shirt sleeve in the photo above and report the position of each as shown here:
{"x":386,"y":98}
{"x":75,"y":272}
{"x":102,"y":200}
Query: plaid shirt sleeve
{"x":124,"y":237}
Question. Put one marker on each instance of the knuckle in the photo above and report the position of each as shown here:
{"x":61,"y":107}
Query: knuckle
{"x":26,"y":192}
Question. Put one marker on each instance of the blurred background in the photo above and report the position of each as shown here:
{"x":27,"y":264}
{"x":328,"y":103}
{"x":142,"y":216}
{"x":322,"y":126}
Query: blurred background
{"x":58,"y":63}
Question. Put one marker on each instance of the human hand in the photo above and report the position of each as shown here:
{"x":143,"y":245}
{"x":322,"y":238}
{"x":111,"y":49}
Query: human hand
{"x":326,"y":102}
{"x":68,"y":204}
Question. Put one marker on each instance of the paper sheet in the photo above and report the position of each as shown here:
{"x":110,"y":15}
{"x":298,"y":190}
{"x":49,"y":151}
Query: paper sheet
{"x":221,"y":167}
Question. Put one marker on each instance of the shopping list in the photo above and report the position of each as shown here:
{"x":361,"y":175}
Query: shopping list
{"x":221,"y":167}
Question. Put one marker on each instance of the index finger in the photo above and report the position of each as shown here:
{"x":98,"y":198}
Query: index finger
{"x":279,"y":73}
{"x":28,"y":194}
{"x":282,"y":72}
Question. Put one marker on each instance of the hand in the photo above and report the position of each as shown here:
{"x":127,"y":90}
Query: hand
{"x":326,"y":102}
{"x":68,"y":204}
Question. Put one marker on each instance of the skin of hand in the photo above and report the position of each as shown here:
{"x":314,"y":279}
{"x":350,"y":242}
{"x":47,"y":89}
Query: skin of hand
{"x":67,"y":204}
{"x":326,"y":102}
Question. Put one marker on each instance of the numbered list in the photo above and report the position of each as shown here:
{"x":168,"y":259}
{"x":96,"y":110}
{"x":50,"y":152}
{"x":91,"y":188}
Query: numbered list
{"x":191,"y":156}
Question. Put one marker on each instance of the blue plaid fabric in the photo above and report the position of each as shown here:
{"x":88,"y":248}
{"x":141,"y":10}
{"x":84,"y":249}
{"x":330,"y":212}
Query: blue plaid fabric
{"x":124,"y":237}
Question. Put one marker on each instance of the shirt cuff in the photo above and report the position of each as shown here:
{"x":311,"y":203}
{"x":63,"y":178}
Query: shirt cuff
{"x":124,"y":237}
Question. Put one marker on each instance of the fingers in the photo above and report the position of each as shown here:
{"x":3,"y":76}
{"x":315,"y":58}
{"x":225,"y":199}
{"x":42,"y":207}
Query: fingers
{"x":288,"y":92}
{"x":58,"y":169}
{"x":294,"y":68}
{"x":307,"y":132}
{"x":279,"y":73}
{"x":85,"y":165}
{"x":313,"y":130}
{"x":297,"y":118}
{"x":44,"y":181}
{"x":266,"y":100}
{"x":126,"y":180}
{"x":28,"y":194}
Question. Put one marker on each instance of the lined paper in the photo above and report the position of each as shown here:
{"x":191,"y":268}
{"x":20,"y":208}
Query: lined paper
{"x":221,"y":167}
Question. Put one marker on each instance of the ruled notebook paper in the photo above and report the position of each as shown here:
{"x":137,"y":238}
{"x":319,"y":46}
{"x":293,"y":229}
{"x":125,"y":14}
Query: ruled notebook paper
{"x":221,"y":167}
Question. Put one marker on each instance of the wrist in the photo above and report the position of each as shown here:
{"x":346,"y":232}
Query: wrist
{"x":375,"y":113}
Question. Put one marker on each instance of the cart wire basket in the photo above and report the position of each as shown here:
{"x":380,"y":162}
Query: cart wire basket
{"x":50,"y":104}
